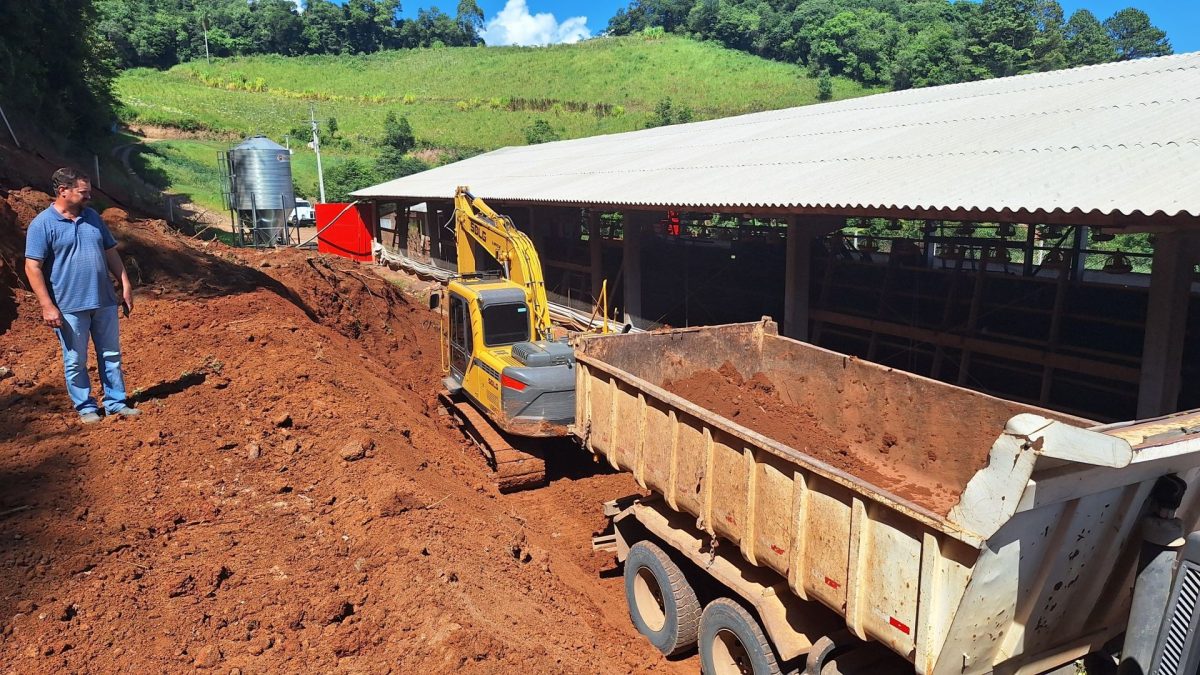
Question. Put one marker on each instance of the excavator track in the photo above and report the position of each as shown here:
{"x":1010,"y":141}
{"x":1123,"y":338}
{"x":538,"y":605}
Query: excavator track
{"x":513,"y":470}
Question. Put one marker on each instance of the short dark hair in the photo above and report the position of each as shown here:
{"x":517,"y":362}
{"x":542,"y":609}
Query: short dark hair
{"x":67,"y":177}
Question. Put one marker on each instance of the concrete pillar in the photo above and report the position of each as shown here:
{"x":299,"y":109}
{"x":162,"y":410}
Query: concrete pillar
{"x":595,"y":252}
{"x":632,"y":265}
{"x":1166,"y":322}
{"x":797,"y":277}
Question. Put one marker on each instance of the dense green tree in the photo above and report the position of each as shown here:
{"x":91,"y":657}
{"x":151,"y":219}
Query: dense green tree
{"x":1002,"y":34}
{"x":161,"y":33}
{"x":346,"y":177}
{"x":55,"y":69}
{"x":469,"y":18}
{"x":860,"y":44}
{"x":1049,"y":42}
{"x":667,"y":113}
{"x":736,"y":25}
{"x":670,"y":15}
{"x":1087,"y":41}
{"x":323,"y":29}
{"x":392,"y":164}
{"x":275,"y":27}
{"x":397,"y":133}
{"x":663,"y":114}
{"x":935,"y":55}
{"x":907,"y":43}
{"x":540,"y":131}
{"x":398,"y":140}
{"x":1135,"y":37}
{"x":435,"y":28}
{"x":825,"y":86}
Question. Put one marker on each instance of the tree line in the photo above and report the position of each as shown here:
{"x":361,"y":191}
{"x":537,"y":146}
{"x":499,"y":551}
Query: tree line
{"x":905,"y":43}
{"x":52,"y":68}
{"x":162,"y":33}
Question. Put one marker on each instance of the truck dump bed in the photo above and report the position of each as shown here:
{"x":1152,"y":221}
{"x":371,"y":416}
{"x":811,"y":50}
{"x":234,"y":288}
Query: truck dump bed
{"x":965,"y":532}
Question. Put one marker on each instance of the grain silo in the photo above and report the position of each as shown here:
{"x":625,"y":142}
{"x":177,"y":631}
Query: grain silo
{"x":259,"y":190}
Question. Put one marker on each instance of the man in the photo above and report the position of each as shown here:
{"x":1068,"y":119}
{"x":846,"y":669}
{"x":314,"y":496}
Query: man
{"x":70,"y":244}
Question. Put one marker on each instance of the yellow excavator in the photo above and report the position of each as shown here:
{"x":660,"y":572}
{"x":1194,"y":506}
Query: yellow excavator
{"x":507,"y":379}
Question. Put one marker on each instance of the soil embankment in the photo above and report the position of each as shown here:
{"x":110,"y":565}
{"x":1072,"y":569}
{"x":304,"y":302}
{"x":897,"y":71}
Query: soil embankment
{"x":290,"y":500}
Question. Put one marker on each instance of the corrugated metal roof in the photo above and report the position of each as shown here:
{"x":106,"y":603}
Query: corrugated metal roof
{"x":1119,"y":138}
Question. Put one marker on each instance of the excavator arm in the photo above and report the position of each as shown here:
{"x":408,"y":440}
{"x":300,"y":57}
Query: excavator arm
{"x":476,"y":223}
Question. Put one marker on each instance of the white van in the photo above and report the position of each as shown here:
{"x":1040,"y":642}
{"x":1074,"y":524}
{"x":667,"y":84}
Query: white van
{"x":303,"y":214}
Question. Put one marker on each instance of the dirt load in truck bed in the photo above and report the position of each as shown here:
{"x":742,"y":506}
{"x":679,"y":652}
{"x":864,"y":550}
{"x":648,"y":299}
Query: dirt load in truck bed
{"x":290,"y":499}
{"x":917,"y":473}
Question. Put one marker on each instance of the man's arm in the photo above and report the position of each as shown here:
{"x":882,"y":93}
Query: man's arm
{"x":117,"y":269}
{"x":37,"y":281}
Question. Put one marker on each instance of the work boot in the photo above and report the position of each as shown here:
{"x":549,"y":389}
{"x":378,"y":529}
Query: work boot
{"x":89,"y":417}
{"x":127,"y":412}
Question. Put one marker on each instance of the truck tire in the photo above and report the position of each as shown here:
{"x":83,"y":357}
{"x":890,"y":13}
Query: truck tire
{"x":732,"y":643}
{"x":662,"y":604}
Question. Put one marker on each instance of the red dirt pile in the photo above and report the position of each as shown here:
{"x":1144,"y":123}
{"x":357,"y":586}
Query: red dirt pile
{"x":289,"y":501}
{"x":906,"y":470}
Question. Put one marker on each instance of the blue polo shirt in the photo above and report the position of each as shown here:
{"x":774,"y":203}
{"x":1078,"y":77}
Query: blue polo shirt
{"x":72,"y":255}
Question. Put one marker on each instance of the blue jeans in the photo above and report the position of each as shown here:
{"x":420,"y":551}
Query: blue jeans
{"x":101,"y":326}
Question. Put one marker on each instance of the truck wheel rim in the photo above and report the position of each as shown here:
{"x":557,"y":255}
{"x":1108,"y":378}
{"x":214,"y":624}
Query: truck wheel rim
{"x":729,"y":655}
{"x":649,"y":600}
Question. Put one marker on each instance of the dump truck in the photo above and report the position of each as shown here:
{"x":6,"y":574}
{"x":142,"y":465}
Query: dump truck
{"x":804,"y":509}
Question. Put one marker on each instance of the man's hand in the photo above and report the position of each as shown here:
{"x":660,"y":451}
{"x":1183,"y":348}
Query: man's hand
{"x":127,"y":299}
{"x":52,"y":316}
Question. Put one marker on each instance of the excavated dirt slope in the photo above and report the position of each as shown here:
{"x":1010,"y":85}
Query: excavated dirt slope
{"x":909,"y":471}
{"x":290,"y":500}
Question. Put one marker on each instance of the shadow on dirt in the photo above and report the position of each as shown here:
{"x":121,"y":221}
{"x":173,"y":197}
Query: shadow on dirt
{"x":566,"y":460}
{"x":165,"y":389}
{"x":32,"y":552}
{"x":16,"y":407}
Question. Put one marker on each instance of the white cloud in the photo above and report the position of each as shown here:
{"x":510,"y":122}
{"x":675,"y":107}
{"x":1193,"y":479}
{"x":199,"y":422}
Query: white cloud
{"x":514,"y":25}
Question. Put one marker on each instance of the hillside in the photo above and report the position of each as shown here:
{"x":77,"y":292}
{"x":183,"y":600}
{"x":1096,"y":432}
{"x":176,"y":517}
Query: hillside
{"x":466,"y":99}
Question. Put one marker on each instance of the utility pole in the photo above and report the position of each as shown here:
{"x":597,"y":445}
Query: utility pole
{"x":204,"y":24}
{"x":312,"y":118}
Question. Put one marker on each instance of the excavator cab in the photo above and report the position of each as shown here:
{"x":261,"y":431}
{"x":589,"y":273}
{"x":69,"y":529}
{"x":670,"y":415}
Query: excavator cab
{"x":526,"y":386}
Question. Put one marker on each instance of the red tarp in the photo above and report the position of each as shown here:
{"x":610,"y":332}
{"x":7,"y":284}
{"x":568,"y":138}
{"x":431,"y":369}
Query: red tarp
{"x":349,"y":236}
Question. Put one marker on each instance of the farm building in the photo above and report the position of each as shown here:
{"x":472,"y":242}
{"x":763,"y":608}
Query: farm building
{"x":963,"y":232}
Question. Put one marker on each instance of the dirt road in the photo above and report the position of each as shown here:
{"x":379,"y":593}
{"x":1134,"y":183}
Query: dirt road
{"x":290,"y":500}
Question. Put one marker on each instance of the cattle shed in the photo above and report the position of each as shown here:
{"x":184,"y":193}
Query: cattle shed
{"x":963,"y":232}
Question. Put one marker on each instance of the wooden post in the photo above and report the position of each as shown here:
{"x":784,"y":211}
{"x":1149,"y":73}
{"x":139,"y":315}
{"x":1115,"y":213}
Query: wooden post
{"x":1078,"y":257}
{"x":1030,"y":249}
{"x":534,"y":225}
{"x":797,"y":278}
{"x":632,"y":241}
{"x":429,"y":229}
{"x":595,"y":253}
{"x":371,"y":207}
{"x":1166,"y":324}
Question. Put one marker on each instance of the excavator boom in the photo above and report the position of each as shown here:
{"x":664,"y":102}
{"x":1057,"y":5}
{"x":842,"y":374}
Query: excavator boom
{"x":477,"y":224}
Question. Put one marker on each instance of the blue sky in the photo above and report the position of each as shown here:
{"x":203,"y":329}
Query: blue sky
{"x":546,"y":21}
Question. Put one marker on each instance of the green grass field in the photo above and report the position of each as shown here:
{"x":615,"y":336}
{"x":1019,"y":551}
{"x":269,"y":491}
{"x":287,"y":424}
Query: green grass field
{"x":472,"y":99}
